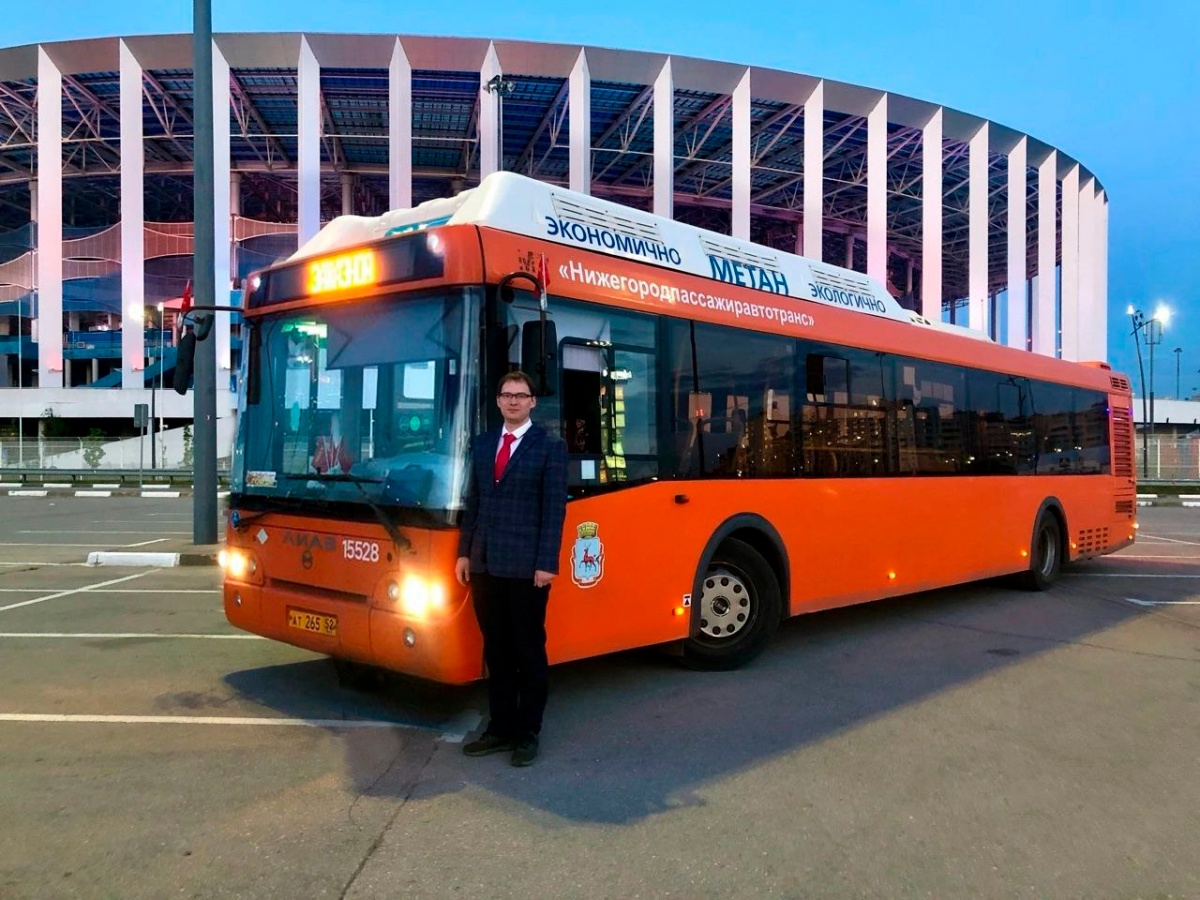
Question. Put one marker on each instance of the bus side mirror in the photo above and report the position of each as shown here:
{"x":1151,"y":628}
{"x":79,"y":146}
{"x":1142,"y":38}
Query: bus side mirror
{"x":539,"y":355}
{"x":185,"y":362}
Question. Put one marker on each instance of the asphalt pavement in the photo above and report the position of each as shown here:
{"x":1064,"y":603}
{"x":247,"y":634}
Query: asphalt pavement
{"x":970,"y":742}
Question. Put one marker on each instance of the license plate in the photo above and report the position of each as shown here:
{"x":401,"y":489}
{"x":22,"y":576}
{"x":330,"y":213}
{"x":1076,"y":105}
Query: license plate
{"x":314,"y":622}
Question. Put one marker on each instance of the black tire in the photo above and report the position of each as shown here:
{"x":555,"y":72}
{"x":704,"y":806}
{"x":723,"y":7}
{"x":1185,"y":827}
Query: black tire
{"x":1045,"y":555}
{"x":737,"y":610}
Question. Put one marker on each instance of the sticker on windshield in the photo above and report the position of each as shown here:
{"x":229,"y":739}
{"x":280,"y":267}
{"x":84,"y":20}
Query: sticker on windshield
{"x":260,"y":479}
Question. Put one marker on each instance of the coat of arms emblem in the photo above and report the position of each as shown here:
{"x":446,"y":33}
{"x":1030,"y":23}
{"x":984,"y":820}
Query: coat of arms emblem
{"x":587,"y":555}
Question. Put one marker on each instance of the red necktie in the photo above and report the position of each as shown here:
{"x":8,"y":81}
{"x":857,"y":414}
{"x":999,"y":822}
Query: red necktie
{"x":502,"y":456}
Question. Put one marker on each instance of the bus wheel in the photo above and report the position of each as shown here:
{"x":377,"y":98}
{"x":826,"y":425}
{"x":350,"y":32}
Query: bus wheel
{"x":1045,"y":558}
{"x":738,"y":609}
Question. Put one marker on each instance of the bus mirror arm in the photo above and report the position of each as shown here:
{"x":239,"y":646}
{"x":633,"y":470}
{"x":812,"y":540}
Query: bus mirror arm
{"x":546,"y":342}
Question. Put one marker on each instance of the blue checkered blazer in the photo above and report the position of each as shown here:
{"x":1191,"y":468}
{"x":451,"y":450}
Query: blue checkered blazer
{"x":513,"y":527}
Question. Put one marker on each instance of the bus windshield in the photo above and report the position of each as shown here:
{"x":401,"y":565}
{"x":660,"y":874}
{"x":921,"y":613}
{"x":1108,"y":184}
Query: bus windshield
{"x":368,"y":403}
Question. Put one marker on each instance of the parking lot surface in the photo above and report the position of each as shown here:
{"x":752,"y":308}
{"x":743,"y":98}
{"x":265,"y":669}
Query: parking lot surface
{"x":969,"y":742}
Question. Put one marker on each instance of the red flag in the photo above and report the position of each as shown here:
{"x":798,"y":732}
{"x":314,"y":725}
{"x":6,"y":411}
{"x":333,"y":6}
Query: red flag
{"x":184,"y":306}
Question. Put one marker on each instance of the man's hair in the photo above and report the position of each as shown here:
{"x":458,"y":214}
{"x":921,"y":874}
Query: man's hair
{"x":516,"y":375}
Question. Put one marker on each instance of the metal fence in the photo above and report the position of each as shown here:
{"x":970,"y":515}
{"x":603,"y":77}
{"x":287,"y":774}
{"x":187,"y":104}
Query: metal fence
{"x":1168,"y":459}
{"x":82,"y":454}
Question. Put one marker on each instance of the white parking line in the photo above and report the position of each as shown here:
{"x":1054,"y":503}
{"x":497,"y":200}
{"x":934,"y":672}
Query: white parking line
{"x":1124,"y":556}
{"x":81,"y":590}
{"x":104,"y":531}
{"x":1156,"y":537}
{"x":27,"y":564}
{"x":207,"y":720}
{"x":452,"y":732}
{"x":115,"y":635}
{"x":1120,"y":575}
{"x":121,"y":591}
{"x":1163,"y":602}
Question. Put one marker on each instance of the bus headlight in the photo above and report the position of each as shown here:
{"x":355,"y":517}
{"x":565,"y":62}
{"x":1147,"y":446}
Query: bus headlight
{"x":420,"y":596}
{"x":237,"y":564}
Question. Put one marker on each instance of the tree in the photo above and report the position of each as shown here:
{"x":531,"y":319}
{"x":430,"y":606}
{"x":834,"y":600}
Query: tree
{"x":187,"y":446}
{"x":94,"y":448}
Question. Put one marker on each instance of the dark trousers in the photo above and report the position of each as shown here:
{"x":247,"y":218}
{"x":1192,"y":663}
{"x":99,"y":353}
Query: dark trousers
{"x":512,"y":616}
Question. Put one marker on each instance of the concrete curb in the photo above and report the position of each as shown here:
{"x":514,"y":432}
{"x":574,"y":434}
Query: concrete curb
{"x":126,"y":558}
{"x":145,"y":560}
{"x":1169,"y":500}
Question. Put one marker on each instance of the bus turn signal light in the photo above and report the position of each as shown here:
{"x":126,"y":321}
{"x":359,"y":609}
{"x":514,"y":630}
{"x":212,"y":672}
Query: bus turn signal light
{"x":679,"y":610}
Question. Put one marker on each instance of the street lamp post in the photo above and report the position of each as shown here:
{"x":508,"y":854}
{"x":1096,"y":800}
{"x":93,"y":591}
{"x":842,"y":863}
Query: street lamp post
{"x":20,"y":388}
{"x":1153,"y":326}
{"x":161,"y":351}
{"x":1178,"y":351}
{"x":153,"y":409}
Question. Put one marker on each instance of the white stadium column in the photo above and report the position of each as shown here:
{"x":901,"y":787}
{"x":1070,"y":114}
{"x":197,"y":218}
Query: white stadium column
{"x":308,"y":166}
{"x":664,"y":142}
{"x":49,"y":222}
{"x":222,"y":237}
{"x":399,"y":129}
{"x":814,"y":172}
{"x":1087,"y":267}
{"x":877,"y":163}
{"x":1018,"y":247}
{"x":740,"y":162}
{"x":931,"y":218}
{"x":133,"y":234}
{"x":1100,"y":325}
{"x":1044,"y":301}
{"x":580,"y":100}
{"x":977,"y":230}
{"x":489,"y":115}
{"x":1069,"y":340}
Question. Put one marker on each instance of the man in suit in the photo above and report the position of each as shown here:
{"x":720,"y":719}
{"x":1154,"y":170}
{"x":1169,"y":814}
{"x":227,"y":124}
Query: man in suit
{"x":514,"y":506}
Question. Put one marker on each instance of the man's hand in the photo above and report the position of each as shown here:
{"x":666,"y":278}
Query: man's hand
{"x":462,"y":570}
{"x":542,"y":579}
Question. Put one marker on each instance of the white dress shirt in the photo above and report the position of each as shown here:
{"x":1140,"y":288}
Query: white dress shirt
{"x":518,"y":433}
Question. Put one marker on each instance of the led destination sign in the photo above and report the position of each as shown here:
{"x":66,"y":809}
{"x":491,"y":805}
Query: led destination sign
{"x":342,"y":272}
{"x":359,"y":270}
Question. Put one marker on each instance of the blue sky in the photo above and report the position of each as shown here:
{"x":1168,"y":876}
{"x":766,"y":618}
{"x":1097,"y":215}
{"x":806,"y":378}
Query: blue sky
{"x":1114,"y":84}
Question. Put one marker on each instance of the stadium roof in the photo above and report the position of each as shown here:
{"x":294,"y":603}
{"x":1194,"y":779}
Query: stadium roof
{"x":445,"y":107}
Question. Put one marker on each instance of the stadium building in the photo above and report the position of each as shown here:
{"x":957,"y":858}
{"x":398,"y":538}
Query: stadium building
{"x":962,"y":218}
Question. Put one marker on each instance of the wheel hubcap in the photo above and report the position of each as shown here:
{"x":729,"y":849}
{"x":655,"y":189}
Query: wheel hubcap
{"x":725,"y":604}
{"x":1049,"y":553}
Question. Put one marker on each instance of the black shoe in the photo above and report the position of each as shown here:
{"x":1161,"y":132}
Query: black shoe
{"x":488,"y":743}
{"x":525,"y":751}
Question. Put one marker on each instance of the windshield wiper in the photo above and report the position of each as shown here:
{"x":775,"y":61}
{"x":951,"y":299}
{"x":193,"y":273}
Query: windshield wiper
{"x":358,"y":481}
{"x":334,"y":476}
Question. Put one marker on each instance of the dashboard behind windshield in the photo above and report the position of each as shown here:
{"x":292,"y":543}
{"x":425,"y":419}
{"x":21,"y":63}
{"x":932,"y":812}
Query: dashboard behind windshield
{"x":364,"y":402}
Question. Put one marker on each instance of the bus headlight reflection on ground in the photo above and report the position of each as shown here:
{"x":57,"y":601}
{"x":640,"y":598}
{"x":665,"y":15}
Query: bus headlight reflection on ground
{"x":420,"y":596}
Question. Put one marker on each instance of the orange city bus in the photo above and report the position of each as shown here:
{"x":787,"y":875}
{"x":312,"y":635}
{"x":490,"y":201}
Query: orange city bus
{"x":751,"y":435}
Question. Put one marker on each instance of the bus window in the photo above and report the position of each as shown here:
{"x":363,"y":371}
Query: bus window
{"x":932,"y":408}
{"x":744,"y":426}
{"x":845,"y":414}
{"x":609,"y":419}
{"x":1002,"y":442}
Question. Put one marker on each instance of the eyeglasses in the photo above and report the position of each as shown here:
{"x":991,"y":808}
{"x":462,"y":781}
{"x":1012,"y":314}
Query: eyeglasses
{"x":509,"y":396}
